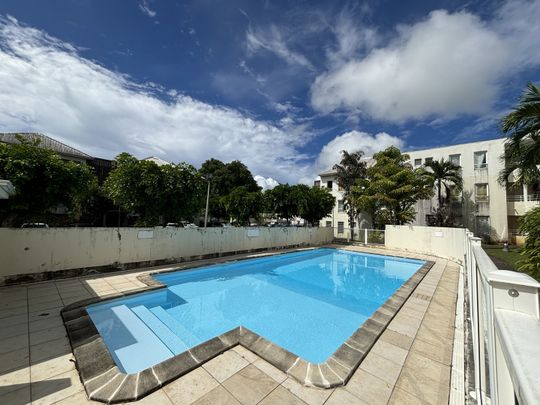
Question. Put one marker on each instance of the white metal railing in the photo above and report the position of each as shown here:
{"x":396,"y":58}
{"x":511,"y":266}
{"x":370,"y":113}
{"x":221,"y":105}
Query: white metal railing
{"x":521,"y":197}
{"x":505,"y":365}
{"x":515,"y":197}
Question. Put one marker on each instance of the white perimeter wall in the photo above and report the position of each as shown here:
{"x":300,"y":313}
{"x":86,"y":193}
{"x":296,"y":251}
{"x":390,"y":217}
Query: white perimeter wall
{"x":443,"y":242}
{"x":24,"y":251}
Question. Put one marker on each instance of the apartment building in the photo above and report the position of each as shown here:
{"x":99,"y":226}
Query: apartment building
{"x":485,"y":207}
{"x":482,"y":204}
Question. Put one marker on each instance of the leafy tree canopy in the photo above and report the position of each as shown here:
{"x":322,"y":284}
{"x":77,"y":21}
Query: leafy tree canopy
{"x":241,"y":205}
{"x":318,"y":203}
{"x":311,"y":203}
{"x":224,"y":178}
{"x":43,"y":181}
{"x":282,"y":201}
{"x":391,"y":188}
{"x":158,"y":194}
{"x":522,"y":148}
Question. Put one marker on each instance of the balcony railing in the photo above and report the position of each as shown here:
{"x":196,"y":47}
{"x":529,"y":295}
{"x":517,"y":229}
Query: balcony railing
{"x":521,"y":197}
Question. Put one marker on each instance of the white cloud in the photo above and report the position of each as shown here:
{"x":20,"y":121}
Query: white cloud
{"x":267,"y":183}
{"x":272,"y":40}
{"x":351,"y":37}
{"x":354,"y":141}
{"x":145,"y":8}
{"x":446,"y":65}
{"x":46,"y":86}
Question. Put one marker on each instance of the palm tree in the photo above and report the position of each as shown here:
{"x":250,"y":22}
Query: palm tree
{"x":350,"y":170}
{"x":522,"y":148}
{"x":445,"y":173}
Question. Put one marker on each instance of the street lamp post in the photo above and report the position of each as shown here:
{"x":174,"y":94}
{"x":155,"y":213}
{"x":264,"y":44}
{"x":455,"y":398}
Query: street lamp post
{"x":208,"y":178}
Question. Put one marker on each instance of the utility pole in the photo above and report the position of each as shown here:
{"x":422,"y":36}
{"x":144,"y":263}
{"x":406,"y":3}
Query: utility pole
{"x":208,"y":178}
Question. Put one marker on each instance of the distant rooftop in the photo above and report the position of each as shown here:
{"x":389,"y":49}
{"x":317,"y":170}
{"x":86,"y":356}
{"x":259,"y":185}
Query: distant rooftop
{"x":46,"y":142}
{"x":157,"y":161}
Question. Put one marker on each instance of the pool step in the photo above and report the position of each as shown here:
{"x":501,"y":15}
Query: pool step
{"x":173,"y":342}
{"x":178,"y":329}
{"x":145,"y":348}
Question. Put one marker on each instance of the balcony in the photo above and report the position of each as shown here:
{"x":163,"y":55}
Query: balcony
{"x":519,"y":204}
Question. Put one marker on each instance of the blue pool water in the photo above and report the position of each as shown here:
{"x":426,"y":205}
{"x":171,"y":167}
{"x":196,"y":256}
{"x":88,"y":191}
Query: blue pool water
{"x":307,"y":302}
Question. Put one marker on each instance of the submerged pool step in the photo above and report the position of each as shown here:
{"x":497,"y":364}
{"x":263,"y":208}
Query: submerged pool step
{"x":144,"y":349}
{"x":179,"y":330}
{"x":173,"y":342}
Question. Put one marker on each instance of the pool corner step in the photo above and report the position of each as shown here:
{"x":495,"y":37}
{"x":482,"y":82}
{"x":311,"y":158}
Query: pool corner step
{"x":162,"y":331}
{"x":175,"y":326}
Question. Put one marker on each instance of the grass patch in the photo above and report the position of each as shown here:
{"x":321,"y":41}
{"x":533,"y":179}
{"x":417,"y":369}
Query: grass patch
{"x":504,"y":260}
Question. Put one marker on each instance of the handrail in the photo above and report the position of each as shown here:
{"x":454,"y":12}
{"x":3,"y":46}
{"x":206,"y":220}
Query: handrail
{"x":519,"y":335}
{"x":505,"y":366}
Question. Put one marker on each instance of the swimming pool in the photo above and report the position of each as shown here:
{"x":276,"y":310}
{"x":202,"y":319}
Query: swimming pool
{"x":307,"y":302}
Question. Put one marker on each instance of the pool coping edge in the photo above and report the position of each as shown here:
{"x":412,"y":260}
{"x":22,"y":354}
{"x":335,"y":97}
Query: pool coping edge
{"x":105,"y":382}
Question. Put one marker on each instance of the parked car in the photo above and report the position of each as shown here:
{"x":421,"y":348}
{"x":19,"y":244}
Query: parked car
{"x":173,"y":225}
{"x":34,"y":225}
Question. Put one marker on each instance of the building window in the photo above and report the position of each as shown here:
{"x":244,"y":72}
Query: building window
{"x":417,"y":162}
{"x":429,"y":160}
{"x":340,"y":227}
{"x":480,"y":159}
{"x":329,"y":224}
{"x":339,"y":187}
{"x":317,"y":183}
{"x":455,"y":159}
{"x":340,"y":206}
{"x":481,"y":192}
{"x":329,"y":184}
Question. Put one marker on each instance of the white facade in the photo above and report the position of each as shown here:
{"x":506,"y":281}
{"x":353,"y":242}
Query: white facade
{"x":481,"y":206}
{"x":484,"y":206}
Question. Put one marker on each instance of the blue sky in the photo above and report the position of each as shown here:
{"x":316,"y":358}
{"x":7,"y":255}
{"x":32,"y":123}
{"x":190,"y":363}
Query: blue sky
{"x":281,"y":85}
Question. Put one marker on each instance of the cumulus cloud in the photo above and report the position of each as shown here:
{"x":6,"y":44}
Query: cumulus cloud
{"x":47,"y":86}
{"x":266,"y":183}
{"x":354,"y":141}
{"x":446,"y":65}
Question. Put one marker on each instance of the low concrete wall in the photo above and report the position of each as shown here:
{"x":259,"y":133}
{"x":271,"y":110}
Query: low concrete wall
{"x":443,"y":242}
{"x":31,"y":251}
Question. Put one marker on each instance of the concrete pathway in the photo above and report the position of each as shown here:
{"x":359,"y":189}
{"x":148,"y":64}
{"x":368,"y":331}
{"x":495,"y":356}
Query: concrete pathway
{"x":409,"y":364}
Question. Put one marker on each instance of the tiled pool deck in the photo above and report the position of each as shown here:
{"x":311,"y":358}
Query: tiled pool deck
{"x":410,"y":363}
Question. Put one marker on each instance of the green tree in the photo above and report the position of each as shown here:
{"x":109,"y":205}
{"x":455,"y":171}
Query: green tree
{"x":391,"y":189}
{"x":318,"y":203}
{"x":530,"y":226}
{"x":224,"y":178}
{"x":242,"y":205}
{"x":522,"y":148}
{"x":282,"y":201}
{"x":43,"y":181}
{"x":444,"y":174}
{"x":157,"y":194}
{"x":350,"y":172}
